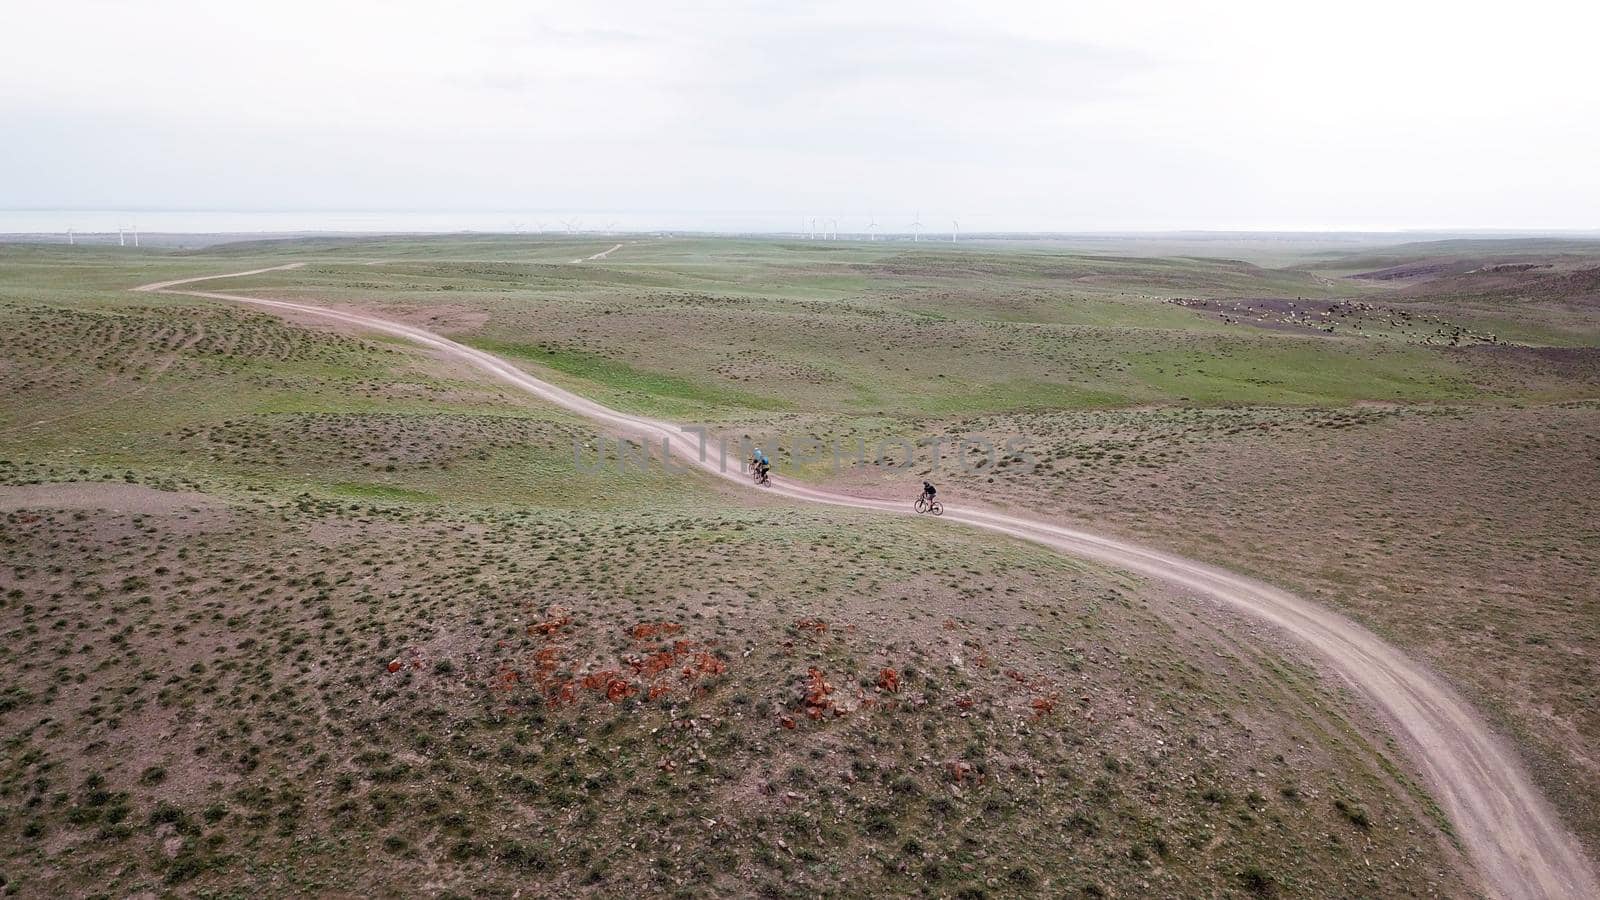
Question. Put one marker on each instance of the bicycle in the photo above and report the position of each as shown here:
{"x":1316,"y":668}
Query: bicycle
{"x":924,"y":505}
{"x":762,"y":476}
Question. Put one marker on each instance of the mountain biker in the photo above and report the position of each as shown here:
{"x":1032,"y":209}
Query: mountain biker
{"x":928,"y":491}
{"x":760,"y":463}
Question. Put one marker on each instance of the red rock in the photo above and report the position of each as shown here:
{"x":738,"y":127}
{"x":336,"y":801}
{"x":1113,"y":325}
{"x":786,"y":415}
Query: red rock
{"x":656,"y":663}
{"x":889,"y":680}
{"x":549,"y":627}
{"x":646,"y":630}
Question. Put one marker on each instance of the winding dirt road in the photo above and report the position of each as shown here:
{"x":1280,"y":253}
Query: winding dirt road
{"x":1512,"y":835}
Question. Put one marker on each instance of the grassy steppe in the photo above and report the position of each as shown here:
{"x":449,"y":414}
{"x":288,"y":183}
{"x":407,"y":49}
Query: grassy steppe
{"x":203,"y":699}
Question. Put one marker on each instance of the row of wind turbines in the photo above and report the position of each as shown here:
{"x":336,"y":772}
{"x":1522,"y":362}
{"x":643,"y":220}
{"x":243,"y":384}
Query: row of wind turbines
{"x":827,"y":229}
{"x":568,"y":226}
{"x":814,"y":228}
{"x":123,"y":231}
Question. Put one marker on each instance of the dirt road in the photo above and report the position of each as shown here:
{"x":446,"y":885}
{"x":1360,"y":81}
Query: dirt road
{"x":601,"y":255}
{"x":1512,"y":835}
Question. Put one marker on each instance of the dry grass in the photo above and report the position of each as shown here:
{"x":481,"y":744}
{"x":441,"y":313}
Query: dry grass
{"x":318,"y":697}
{"x":1469,"y":535}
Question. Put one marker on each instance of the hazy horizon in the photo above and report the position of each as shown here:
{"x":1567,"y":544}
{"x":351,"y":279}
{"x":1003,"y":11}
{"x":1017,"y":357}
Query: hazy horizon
{"x":155,"y":221}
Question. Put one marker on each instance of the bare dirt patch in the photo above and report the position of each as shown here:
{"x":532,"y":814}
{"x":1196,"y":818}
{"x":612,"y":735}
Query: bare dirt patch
{"x":441,"y":319}
{"x":1344,"y":317}
{"x":1538,"y":364}
{"x":109,"y":496}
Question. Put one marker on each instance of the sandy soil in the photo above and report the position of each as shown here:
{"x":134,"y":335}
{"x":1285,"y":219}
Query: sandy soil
{"x":1517,"y":842}
{"x":110,"y":495}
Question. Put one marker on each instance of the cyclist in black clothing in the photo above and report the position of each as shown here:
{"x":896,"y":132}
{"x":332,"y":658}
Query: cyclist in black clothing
{"x":928,"y":490}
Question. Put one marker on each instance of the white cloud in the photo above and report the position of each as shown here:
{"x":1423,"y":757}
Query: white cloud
{"x":1246,"y":114}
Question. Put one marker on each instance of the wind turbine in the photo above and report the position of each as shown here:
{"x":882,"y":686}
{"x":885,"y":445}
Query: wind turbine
{"x":955,"y":231}
{"x":833,"y":229}
{"x":916,"y":229}
{"x":70,"y":240}
{"x":872,"y":227}
{"x":136,"y":234}
{"x":122,"y":240}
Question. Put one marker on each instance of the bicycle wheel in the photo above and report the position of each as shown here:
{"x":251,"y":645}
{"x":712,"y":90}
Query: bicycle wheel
{"x":937,"y":508}
{"x":921,"y":505}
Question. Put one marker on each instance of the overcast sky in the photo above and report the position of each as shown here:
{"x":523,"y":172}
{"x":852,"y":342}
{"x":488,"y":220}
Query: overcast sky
{"x":1004,"y":115}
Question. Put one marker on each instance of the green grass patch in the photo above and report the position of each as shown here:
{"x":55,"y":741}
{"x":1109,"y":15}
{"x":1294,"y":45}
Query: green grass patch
{"x":624,"y":381}
{"x":366,"y":490}
{"x":1286,"y":372}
